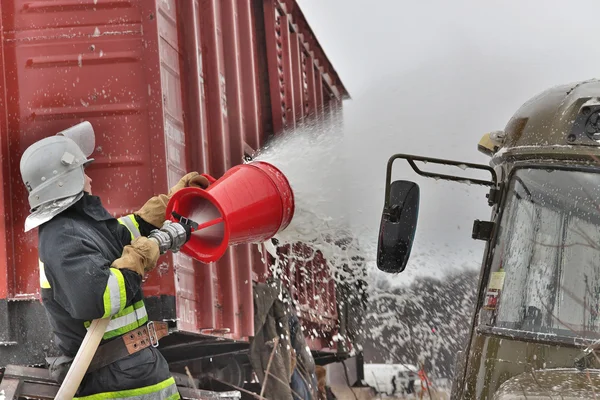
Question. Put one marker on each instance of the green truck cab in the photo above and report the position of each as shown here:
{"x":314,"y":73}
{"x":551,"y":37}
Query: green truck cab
{"x":536,"y":322}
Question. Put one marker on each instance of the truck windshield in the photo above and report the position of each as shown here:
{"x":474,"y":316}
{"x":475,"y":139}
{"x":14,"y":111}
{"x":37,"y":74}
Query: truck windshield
{"x":546,"y":264}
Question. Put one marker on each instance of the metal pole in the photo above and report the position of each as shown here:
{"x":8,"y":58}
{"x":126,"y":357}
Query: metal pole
{"x":360,"y":370}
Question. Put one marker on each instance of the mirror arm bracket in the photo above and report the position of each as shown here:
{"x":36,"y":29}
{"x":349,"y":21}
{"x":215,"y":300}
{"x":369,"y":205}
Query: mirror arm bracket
{"x":393,"y":213}
{"x":494,"y":196}
{"x":463,"y":165}
{"x":482,"y":230}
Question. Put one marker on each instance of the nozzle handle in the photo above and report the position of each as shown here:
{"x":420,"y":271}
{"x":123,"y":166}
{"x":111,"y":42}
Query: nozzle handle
{"x":211,"y":180}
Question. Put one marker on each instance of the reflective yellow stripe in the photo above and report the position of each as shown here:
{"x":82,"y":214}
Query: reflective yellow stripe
{"x":166,"y":389}
{"x":126,"y":310}
{"x":127,"y":328}
{"x":136,"y":316}
{"x":131,"y":224}
{"x":135,"y":306}
{"x":122,"y":291}
{"x":128,"y":319}
{"x":115,"y":296}
{"x":44,"y":284}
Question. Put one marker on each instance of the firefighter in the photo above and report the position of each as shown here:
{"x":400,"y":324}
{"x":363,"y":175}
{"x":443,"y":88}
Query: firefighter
{"x":91,"y":266}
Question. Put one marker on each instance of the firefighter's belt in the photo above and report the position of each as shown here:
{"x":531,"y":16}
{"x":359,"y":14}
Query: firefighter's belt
{"x":129,"y":343}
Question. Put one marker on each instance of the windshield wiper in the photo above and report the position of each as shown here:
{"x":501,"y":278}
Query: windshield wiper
{"x":525,"y":188}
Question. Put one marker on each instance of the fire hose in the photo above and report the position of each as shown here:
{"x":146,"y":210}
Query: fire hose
{"x":170,"y":237}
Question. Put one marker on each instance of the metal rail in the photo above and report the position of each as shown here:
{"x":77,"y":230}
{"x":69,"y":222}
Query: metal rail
{"x":453,"y":178}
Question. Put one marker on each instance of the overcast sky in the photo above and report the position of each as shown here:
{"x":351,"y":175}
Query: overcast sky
{"x":430,"y":78}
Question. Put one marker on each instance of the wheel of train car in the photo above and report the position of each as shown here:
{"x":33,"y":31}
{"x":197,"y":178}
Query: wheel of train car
{"x":229,"y":370}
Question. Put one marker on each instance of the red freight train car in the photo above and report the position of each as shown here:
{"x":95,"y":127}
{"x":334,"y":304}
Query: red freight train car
{"x":170,"y":86}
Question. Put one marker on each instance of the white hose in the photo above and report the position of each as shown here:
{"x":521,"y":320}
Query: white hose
{"x":82,"y":360}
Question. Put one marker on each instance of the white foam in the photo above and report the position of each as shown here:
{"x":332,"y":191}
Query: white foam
{"x":313,"y":160}
{"x":316,"y":163}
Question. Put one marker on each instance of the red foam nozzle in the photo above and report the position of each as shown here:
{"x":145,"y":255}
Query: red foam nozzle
{"x":249,"y":204}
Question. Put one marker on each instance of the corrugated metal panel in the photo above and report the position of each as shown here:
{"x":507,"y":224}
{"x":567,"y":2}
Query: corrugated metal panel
{"x":6,"y":241}
{"x":58,"y":74}
{"x":169,"y":86}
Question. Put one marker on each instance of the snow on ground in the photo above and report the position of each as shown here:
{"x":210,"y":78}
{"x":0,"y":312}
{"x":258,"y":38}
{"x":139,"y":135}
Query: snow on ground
{"x":380,"y":376}
{"x":346,"y":393}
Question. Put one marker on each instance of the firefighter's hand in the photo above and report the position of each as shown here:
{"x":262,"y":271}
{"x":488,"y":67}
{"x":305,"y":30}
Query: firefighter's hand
{"x":140,"y":256}
{"x":155,"y":209}
{"x":193,"y":179}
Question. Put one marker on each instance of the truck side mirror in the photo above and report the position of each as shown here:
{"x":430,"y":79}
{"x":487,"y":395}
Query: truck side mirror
{"x":398,"y":226}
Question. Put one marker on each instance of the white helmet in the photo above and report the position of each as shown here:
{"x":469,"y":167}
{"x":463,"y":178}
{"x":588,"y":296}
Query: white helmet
{"x":52,"y":169}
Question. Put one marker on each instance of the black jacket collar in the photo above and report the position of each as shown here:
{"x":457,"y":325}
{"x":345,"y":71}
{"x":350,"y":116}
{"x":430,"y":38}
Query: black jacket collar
{"x":92,"y":207}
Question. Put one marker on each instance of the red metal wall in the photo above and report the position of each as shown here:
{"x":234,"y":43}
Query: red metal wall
{"x":169,"y":86}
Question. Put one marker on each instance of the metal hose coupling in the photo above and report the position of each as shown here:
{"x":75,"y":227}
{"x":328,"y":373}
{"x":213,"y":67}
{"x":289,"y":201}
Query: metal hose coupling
{"x":171,"y":236}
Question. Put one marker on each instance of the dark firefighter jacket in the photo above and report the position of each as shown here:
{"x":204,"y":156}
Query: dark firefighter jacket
{"x":76,"y":250}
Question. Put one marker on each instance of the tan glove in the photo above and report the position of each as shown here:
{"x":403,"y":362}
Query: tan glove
{"x":140,"y":256}
{"x":154,"y":210}
{"x":193,"y":179}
